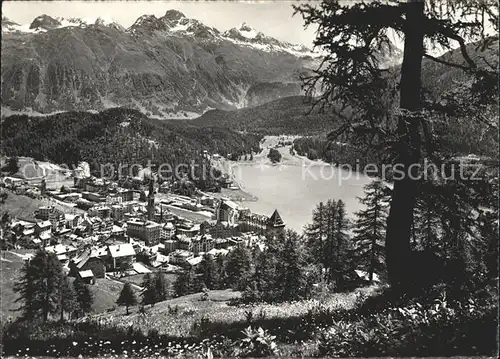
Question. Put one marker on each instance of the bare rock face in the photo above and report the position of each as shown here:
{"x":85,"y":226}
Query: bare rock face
{"x":45,"y":22}
{"x":169,"y":66}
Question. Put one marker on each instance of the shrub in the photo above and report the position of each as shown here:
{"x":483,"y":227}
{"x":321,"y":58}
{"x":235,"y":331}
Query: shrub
{"x":201,"y":327}
{"x":257,"y":343}
{"x":274,"y":155}
{"x":431,"y":330}
{"x":173,"y":309}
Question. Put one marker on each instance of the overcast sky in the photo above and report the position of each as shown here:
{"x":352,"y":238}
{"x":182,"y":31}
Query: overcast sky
{"x":273,"y":18}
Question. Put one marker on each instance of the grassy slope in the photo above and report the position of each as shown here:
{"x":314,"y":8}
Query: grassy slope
{"x":23,"y":207}
{"x":105,"y":291}
{"x":217,"y":311}
{"x":10,"y":266}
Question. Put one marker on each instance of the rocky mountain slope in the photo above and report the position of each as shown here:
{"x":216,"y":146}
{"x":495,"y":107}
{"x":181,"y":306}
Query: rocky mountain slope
{"x":170,"y":66}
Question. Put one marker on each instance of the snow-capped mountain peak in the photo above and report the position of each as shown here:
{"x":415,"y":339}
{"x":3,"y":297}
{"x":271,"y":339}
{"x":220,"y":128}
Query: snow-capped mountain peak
{"x":246,"y":35}
{"x":247,"y":31}
{"x":45,"y":23}
{"x":173,"y":15}
{"x":172,"y":23}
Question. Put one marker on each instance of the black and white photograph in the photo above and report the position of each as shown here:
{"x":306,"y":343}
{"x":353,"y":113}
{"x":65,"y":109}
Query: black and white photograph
{"x":249,"y":179}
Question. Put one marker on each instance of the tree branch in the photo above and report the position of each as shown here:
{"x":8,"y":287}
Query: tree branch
{"x":451,"y":64}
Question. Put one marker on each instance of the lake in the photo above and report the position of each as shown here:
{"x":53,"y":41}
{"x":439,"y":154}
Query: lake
{"x":296,"y":187}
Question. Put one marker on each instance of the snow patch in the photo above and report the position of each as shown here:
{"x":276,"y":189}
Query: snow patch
{"x":247,"y":31}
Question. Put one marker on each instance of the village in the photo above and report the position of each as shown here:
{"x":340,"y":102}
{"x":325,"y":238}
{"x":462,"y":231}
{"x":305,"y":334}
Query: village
{"x":120,"y":229}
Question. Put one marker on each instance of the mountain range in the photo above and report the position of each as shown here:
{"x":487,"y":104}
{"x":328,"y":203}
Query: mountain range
{"x":166,"y":67}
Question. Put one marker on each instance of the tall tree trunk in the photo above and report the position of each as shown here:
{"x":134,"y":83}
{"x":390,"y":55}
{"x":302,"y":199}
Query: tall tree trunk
{"x":62,"y":311}
{"x":400,"y":218}
{"x":373,"y":243}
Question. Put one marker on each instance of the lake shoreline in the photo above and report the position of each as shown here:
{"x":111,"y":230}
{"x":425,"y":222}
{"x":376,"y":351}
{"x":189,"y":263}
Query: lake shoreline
{"x":294,"y":186}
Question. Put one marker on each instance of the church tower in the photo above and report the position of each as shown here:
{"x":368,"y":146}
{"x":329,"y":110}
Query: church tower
{"x":151,"y":199}
{"x":43,"y":187}
{"x":275,"y":224}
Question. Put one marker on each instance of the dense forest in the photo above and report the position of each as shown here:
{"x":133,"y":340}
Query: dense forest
{"x":289,"y":115}
{"x":116,"y":136}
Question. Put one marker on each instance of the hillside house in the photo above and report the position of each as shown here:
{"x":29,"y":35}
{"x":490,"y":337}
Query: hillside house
{"x":73,"y":220}
{"x":90,"y":259}
{"x":121,"y":255}
{"x":180,"y":257}
{"x":91,"y":224}
{"x":87,"y":276}
{"x":43,"y":226}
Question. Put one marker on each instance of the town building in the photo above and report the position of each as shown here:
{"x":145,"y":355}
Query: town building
{"x":202,"y":243}
{"x":188,"y":232}
{"x":63,"y":252}
{"x":148,"y":231}
{"x":184,"y":243}
{"x":121,"y":256}
{"x":170,"y":245}
{"x":52,"y":214}
{"x":90,"y":259}
{"x":227,"y":211}
{"x":167,"y":231}
{"x":219,"y":229}
{"x":207,"y":201}
{"x":87,"y":276}
{"x":100,"y":211}
{"x":43,"y":226}
{"x":118,"y":212}
{"x":113,"y":199}
{"x":180,"y":257}
{"x":252,"y":222}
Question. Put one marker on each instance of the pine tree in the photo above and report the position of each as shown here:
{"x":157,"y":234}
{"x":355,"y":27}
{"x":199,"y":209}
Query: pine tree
{"x":12,"y":165}
{"x":355,"y":56}
{"x":426,"y":222}
{"x":84,"y":296}
{"x":67,"y":302}
{"x":329,"y":246}
{"x":148,"y":293}
{"x":161,"y":287}
{"x":127,"y":297}
{"x":369,"y":229}
{"x":341,"y":243}
{"x":237,"y":267}
{"x":315,"y":234}
{"x":207,"y":272}
{"x":39,"y":286}
{"x":220,"y":272}
{"x":184,"y":283}
{"x":290,"y":269}
{"x":265,"y":276}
